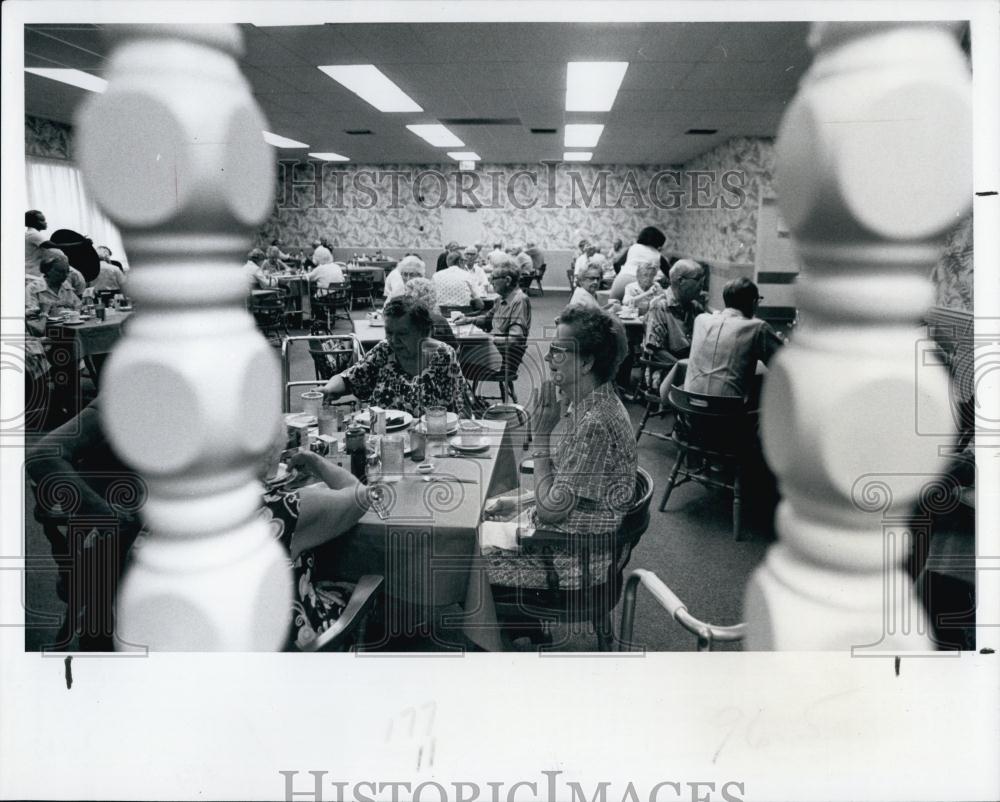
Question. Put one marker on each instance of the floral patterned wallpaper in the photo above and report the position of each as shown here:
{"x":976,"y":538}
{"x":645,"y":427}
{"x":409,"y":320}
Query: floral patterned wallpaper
{"x":554,"y":205}
{"x":47,"y":138}
{"x":728,"y":234}
{"x":953,"y":275}
{"x":399,"y":206}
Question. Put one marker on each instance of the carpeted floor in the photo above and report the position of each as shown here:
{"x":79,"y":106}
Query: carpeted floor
{"x":690,"y":546}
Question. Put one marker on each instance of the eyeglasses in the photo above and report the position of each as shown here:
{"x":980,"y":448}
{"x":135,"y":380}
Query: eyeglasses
{"x":557,"y":353}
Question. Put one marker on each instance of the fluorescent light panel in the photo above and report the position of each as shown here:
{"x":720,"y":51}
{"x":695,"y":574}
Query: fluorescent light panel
{"x":464,"y":156}
{"x":282,"y":141}
{"x":577,"y":156}
{"x":582,"y":135}
{"x":370,"y":84}
{"x":79,"y":78}
{"x":330,"y":157}
{"x":437,"y":135}
{"x":593,"y":85}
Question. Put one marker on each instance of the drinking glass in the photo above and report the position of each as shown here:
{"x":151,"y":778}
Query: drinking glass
{"x":311,"y":401}
{"x":326,"y":418}
{"x":437,"y":428}
{"x":392,"y":456}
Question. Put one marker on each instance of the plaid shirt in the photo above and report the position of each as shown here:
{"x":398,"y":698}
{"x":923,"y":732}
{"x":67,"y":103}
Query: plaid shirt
{"x":669,"y":324}
{"x":594,"y":464}
{"x":509,"y":317}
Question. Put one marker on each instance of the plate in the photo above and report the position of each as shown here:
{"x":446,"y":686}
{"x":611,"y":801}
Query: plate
{"x":363,"y":418}
{"x":482,"y":443}
{"x":73,"y":322}
{"x":452,"y":422}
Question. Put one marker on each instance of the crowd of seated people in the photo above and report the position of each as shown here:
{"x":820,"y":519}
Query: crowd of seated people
{"x":585,"y":457}
{"x":62,"y":271}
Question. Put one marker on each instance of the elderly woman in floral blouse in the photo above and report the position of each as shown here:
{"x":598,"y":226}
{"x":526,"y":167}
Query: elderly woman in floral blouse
{"x":408,"y":370}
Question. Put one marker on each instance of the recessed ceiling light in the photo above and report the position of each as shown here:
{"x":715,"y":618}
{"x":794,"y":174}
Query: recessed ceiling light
{"x":437,"y":135}
{"x":282,"y":141}
{"x":373,"y":86}
{"x":577,"y":156}
{"x":330,"y":157}
{"x":464,"y":156}
{"x":79,"y":78}
{"x":593,"y":85}
{"x":582,"y":135}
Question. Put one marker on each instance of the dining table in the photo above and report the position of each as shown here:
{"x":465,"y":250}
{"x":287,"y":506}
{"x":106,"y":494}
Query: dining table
{"x":377,"y":270}
{"x":422,"y":536}
{"x":296,"y":286}
{"x":90,"y":340}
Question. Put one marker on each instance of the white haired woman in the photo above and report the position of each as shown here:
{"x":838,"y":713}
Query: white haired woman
{"x":422,"y":289}
{"x":409,"y":266}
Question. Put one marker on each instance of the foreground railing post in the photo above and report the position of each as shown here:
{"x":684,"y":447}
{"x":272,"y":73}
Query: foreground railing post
{"x":873,"y":167}
{"x":173,"y":153}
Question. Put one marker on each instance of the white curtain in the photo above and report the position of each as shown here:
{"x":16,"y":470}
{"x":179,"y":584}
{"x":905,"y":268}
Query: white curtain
{"x":56,"y":189}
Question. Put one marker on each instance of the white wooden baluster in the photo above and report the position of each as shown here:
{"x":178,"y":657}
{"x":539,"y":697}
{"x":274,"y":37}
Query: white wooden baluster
{"x":873,"y":167}
{"x":173,"y":152}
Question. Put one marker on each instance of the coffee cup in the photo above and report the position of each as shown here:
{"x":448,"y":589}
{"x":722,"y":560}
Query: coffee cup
{"x":72,"y":317}
{"x":469,"y":433}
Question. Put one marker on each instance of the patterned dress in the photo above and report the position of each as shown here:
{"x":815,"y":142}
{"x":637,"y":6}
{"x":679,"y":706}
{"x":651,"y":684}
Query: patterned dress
{"x":595,"y":464}
{"x":315,"y":605}
{"x":379,"y":380}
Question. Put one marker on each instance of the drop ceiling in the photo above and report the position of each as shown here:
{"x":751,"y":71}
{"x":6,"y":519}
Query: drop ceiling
{"x":733,"y":77}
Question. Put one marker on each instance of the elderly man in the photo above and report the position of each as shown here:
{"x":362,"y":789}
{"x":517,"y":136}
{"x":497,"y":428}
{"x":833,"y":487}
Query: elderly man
{"x":470,"y":258}
{"x":726,"y":346}
{"x":456,"y":286}
{"x":510,"y":317}
{"x":670,"y":319}
{"x":583,"y":260}
{"x":410,"y":266}
{"x":255,"y":276}
{"x":110,"y":279}
{"x":509,"y":321}
{"x":525,"y":265}
{"x":442,"y":260}
{"x":536,"y":256}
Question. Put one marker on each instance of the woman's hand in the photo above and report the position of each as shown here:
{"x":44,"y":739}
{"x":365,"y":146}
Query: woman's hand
{"x":305,"y":462}
{"x":547,"y":409}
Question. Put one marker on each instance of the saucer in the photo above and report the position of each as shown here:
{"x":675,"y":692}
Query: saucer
{"x":482,"y":443}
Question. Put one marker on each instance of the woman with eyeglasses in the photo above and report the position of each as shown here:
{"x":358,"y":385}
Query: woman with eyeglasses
{"x":585,"y":460}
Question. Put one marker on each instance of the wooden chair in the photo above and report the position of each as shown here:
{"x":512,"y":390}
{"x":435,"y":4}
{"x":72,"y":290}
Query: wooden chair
{"x":648,"y":392}
{"x":714,"y":435}
{"x":707,"y":634}
{"x":362,"y":286}
{"x":512,"y":355}
{"x":271,"y":314}
{"x":331,"y":303}
{"x":533,"y":611}
{"x":526,"y":280}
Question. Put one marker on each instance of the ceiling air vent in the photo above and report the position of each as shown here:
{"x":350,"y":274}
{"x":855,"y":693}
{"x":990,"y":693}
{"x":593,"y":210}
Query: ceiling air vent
{"x":701,"y":131}
{"x":542,"y":130}
{"x":358,"y":132}
{"x":480,"y":121}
